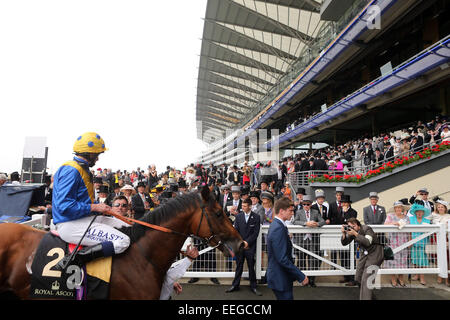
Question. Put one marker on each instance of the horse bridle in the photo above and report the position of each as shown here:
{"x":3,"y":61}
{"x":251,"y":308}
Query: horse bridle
{"x":206,"y":241}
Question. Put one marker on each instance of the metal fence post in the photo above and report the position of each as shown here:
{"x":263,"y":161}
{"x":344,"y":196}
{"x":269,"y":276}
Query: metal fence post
{"x":258,"y":254}
{"x":352,"y":257}
{"x":442,"y":251}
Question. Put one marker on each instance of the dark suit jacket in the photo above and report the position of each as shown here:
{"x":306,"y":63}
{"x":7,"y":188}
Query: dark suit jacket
{"x":235,"y":177}
{"x":111,"y":197}
{"x":138,"y":205}
{"x":413,"y":198}
{"x":281,"y":271}
{"x":334,"y":212}
{"x":390,"y":153}
{"x":249,"y":231}
{"x":325,"y":213}
{"x":343,"y":217}
{"x":319,"y":164}
{"x":230,"y":203}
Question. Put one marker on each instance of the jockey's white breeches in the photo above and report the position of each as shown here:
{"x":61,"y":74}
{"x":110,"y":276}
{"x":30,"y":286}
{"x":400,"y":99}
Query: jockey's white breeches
{"x":103,"y":229}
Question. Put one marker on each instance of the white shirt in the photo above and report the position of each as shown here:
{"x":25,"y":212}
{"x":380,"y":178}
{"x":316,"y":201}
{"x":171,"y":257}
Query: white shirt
{"x":175,"y":272}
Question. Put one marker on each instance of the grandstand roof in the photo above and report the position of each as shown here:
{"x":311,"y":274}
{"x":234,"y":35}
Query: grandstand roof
{"x":247,"y":46}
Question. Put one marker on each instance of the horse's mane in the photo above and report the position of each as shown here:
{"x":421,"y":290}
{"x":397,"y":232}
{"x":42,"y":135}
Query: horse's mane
{"x":163,"y":213}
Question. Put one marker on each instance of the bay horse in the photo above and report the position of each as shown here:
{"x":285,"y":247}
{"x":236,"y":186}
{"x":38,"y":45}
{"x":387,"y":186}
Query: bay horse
{"x":139,"y":272}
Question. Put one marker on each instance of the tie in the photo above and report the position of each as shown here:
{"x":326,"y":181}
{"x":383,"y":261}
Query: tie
{"x":320,"y":209}
{"x":307,"y":215}
{"x":375,"y":210}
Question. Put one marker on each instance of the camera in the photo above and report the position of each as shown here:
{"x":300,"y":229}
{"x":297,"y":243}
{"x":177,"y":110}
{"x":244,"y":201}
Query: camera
{"x":347,"y":227}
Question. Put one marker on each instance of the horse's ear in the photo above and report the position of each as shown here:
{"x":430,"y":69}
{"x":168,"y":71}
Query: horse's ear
{"x":205,"y":193}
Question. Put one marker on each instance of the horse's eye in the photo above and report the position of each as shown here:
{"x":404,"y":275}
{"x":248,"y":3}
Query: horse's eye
{"x":219,"y":214}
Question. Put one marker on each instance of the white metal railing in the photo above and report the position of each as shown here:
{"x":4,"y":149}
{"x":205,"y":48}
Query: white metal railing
{"x":422,"y":249}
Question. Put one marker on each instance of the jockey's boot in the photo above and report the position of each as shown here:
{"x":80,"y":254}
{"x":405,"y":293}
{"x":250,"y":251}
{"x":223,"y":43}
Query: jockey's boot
{"x":87,"y":254}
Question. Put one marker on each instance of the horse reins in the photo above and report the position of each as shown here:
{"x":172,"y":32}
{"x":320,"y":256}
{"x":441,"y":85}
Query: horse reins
{"x":205,"y":240}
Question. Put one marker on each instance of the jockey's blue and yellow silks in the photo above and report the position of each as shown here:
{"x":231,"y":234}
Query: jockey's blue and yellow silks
{"x":73,"y":191}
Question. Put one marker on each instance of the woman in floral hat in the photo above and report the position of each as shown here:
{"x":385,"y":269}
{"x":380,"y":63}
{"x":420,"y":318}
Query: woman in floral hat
{"x":397,"y":217}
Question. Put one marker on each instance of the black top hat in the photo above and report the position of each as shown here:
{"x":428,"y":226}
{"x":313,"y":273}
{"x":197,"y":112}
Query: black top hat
{"x":404,"y":201}
{"x":301,"y":191}
{"x":254,"y":194}
{"x":182,"y":183}
{"x":346,"y":198}
{"x":103,"y":189}
{"x":140,"y":184}
{"x":266,"y":180}
{"x":98,"y":180}
{"x":245,"y":189}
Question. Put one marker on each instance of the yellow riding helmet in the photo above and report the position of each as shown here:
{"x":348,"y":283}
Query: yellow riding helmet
{"x":89,"y":142}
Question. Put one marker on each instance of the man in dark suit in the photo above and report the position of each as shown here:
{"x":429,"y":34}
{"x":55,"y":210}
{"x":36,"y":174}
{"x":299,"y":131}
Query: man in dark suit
{"x":235,"y":176}
{"x":141,"y":202}
{"x":321,"y":207}
{"x":378,"y":158}
{"x":389,"y":154}
{"x":422,"y":194}
{"x":281,"y":271}
{"x":310,"y":218}
{"x":346,"y":213}
{"x":335,"y":214}
{"x":298,"y":202}
{"x":247,"y":223}
{"x":319,"y":164}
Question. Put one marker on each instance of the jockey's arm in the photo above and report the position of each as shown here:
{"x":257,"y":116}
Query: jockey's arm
{"x":70,"y":196}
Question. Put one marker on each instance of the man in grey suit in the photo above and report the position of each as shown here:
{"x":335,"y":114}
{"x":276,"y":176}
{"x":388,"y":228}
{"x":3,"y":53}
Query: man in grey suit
{"x":374,"y":214}
{"x":309,"y":218}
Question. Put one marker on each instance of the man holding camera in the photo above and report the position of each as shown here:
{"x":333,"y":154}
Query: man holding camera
{"x":372,"y":254}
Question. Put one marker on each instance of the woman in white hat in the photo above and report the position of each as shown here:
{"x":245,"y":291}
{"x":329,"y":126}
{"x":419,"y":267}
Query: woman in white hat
{"x":442,"y":216}
{"x":396,"y":216}
{"x":128,"y":191}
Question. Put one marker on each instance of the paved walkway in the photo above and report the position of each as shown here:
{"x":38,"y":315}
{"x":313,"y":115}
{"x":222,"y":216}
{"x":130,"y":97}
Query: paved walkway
{"x":204,"y":289}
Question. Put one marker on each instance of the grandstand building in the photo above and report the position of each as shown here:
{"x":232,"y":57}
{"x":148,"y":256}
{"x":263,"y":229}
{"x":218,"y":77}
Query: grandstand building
{"x":317,"y":72}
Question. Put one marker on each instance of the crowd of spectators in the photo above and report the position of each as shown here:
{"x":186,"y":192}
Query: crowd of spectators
{"x":137,"y":192}
{"x":360,"y":153}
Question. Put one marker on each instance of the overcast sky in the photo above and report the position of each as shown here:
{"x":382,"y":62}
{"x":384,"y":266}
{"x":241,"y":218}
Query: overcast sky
{"x":124,"y":69}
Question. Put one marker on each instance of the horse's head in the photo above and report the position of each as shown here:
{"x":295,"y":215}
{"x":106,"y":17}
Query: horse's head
{"x":211,"y":223}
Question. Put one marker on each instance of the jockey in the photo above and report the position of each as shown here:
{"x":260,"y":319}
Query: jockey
{"x":74,"y":208}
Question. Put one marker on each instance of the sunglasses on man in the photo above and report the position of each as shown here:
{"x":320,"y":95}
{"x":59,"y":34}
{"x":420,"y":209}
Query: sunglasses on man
{"x":123,"y":205}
